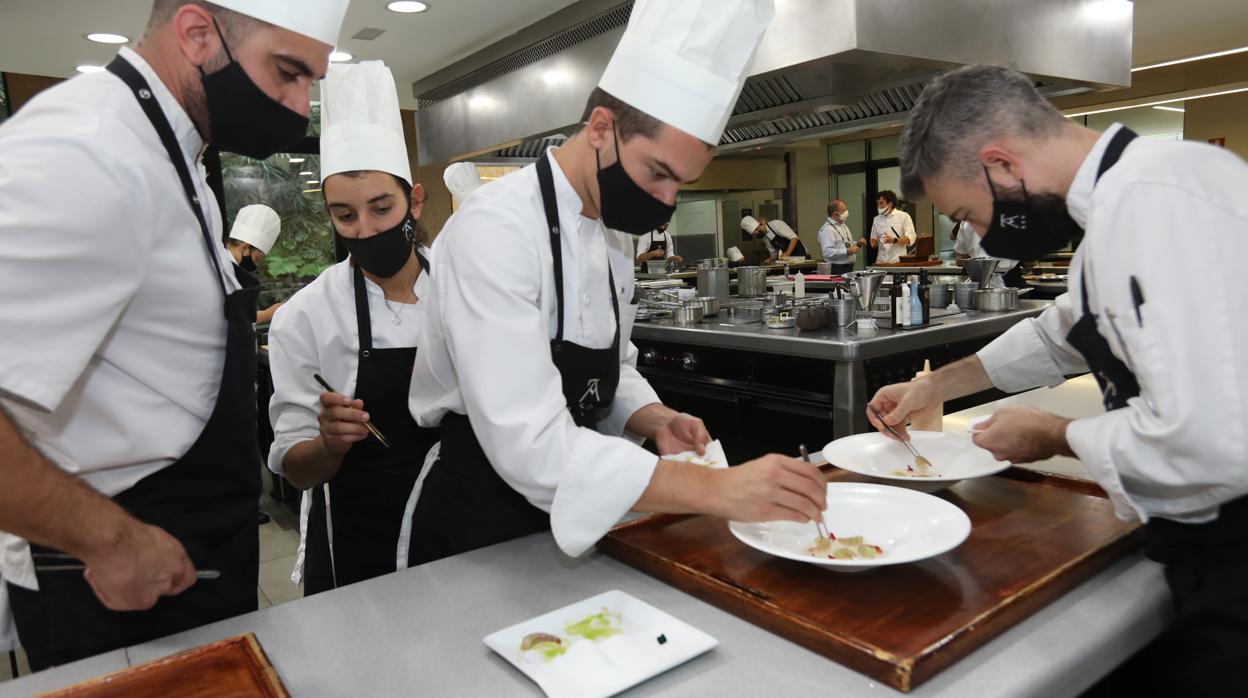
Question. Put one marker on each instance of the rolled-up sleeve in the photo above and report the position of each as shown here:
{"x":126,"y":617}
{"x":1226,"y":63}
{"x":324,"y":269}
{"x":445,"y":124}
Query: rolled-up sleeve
{"x":295,"y":405}
{"x":1034,"y":353}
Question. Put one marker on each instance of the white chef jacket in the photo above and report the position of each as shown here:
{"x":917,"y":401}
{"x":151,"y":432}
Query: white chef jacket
{"x":1180,"y":449}
{"x":782,"y":229}
{"x":967,"y":243}
{"x":885,"y":224}
{"x":113,"y":336}
{"x":835,"y":239}
{"x":643,"y":243}
{"x":485,"y":352}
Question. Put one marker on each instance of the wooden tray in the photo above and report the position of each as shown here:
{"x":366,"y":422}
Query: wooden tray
{"x":1034,"y":537}
{"x":233,"y":668}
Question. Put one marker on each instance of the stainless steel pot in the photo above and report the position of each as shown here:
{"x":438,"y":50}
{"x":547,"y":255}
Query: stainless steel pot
{"x":938,"y":295}
{"x":823,"y":268}
{"x":996,"y":300}
{"x":964,"y":294}
{"x":741,"y":313}
{"x":713,"y":263}
{"x":688,"y":313}
{"x":781,"y":322}
{"x":713,"y":281}
{"x":710,"y":305}
{"x":842,"y":311}
{"x":751,"y":282}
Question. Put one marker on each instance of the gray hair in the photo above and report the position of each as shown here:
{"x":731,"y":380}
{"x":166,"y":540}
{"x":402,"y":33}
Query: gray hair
{"x":959,"y":112}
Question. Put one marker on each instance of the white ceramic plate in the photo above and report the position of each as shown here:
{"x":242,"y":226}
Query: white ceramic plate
{"x":604,"y":667}
{"x":908,"y":525}
{"x":953,"y":455}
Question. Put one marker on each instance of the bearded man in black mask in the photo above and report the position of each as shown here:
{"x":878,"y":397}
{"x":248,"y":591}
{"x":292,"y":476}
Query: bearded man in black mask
{"x":128,"y":451}
{"x":1028,"y":180}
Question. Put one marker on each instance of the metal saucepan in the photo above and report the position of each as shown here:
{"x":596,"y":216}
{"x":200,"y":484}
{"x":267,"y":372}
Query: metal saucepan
{"x":710,"y":305}
{"x":995,"y":300}
{"x":742,"y":313}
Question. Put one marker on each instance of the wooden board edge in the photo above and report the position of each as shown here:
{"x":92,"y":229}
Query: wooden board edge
{"x":266,"y":672}
{"x":1074,"y":484}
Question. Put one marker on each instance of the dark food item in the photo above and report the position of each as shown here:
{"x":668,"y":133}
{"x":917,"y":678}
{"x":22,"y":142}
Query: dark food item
{"x":662,"y":639}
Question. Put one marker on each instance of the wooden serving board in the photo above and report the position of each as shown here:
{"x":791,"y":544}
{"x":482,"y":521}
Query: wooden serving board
{"x":1034,"y":537}
{"x":233,"y":668}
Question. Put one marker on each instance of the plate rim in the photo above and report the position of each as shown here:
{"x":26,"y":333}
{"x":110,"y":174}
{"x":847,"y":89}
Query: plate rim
{"x":1003,"y":465}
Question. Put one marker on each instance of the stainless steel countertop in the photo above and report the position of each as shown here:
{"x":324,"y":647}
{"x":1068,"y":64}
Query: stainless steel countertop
{"x":837,"y":344}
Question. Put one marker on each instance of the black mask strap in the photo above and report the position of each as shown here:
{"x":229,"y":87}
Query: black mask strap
{"x":992,"y":188}
{"x":224,"y":45}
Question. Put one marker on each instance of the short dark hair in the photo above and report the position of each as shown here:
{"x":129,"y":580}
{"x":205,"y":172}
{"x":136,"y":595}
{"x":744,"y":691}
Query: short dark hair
{"x":889,"y":196}
{"x":234,"y":25}
{"x":422,"y":235}
{"x":629,"y":120}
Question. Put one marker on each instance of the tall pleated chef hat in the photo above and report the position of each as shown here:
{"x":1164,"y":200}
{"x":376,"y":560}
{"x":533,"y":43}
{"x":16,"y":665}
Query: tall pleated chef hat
{"x":462,"y":179}
{"x":258,"y":226}
{"x":315,"y":19}
{"x":684,"y":62}
{"x":360,"y":124}
{"x":749,"y":224}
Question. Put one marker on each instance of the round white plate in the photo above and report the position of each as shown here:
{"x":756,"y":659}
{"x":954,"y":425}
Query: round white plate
{"x":908,"y":525}
{"x":953,"y":456}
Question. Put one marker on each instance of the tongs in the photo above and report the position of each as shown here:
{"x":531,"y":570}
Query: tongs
{"x":919,"y":461}
{"x":69,"y":563}
{"x":825,"y":538}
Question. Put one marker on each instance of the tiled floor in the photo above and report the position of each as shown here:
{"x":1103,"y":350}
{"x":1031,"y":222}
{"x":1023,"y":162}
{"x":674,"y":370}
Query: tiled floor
{"x":279,"y":542}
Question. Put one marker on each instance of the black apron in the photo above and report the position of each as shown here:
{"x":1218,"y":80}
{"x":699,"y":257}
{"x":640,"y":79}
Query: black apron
{"x":465,"y":504}
{"x":781,"y":243}
{"x":1014,"y":277}
{"x":368,"y":496}
{"x":208,"y":499}
{"x":1206,"y":564}
{"x":660,"y":244}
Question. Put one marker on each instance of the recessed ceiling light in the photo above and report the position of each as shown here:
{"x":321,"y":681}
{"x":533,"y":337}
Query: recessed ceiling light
{"x":1160,"y":101}
{"x":296,"y":161}
{"x":90,"y":68}
{"x":1189,"y":59}
{"x":106,"y":38}
{"x":407,"y":7}
{"x":310,"y":191}
{"x":313,"y":181}
{"x":339,"y":57}
{"x":306,"y":173}
{"x":1178,"y":109}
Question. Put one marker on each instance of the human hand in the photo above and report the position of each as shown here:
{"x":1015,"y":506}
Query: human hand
{"x":143,"y":564}
{"x":898,"y":401}
{"x":771,"y":488}
{"x":341,"y":422}
{"x":1023,"y":434}
{"x":683,"y":432}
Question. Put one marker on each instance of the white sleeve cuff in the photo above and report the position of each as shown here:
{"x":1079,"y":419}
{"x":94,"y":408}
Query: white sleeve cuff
{"x":1019,"y":360}
{"x":596,"y":491}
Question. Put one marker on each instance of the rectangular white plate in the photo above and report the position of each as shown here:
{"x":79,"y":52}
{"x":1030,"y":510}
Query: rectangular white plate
{"x":604,"y":668}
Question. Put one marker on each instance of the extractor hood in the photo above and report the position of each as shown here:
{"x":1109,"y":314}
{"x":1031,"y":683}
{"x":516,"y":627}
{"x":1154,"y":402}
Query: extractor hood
{"x":825,"y":67}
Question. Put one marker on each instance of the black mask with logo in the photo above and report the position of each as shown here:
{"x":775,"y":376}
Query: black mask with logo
{"x":242,"y":118}
{"x":385,"y":253}
{"x":625,"y":206}
{"x":1028,"y":227}
{"x":247,"y":263}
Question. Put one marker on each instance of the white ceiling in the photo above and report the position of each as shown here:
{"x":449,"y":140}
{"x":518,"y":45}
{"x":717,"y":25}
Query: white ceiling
{"x":44,"y":37}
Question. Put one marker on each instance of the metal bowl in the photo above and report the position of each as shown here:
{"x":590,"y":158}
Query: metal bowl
{"x":710,"y":305}
{"x":781,"y":322}
{"x":687,"y":313}
{"x":996,"y":300}
{"x":741,"y":314}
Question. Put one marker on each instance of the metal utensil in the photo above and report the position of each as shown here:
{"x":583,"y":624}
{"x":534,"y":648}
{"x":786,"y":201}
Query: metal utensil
{"x":922,"y":463}
{"x":819,"y":525}
{"x":69,"y":563}
{"x":375,"y":431}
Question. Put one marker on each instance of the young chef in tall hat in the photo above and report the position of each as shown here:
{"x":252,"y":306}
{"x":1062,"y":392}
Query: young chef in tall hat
{"x":253,"y":234}
{"x":782,"y":241}
{"x":356,"y":326}
{"x":527,"y":365}
{"x":128,"y":380}
{"x":1170,"y":448}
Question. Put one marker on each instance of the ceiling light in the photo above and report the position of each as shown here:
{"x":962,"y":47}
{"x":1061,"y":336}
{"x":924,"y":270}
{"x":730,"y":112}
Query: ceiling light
{"x":306,"y":173}
{"x":1175,"y":109}
{"x":310,"y":191}
{"x":106,"y":38}
{"x":90,"y":68}
{"x":407,"y":7}
{"x":296,"y":161}
{"x":1160,"y":101}
{"x":481,"y":103}
{"x":1189,"y":59}
{"x":313,"y":181}
{"x":340,"y":57}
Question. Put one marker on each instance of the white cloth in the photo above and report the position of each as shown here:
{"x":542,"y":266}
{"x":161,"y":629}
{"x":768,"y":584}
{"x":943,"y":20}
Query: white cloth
{"x":486,"y":352}
{"x":886,"y":224}
{"x":258,"y":226}
{"x":684,"y":62}
{"x":462,"y":179}
{"x":1178,"y":450}
{"x":967,"y":243}
{"x":835,"y":239}
{"x":782,"y":229}
{"x":113,"y":338}
{"x":644,"y":241}
{"x":361,"y":128}
{"x":316,"y":19}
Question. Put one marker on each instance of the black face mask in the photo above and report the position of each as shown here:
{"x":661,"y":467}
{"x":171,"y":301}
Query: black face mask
{"x":1037,"y":225}
{"x":247,"y":263}
{"x":384,"y":254}
{"x":242,"y":118}
{"x":625,"y":206}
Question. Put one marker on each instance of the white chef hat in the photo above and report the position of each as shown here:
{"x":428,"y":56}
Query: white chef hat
{"x":360,"y":124}
{"x":462,"y":179}
{"x":749,"y":224}
{"x":684,"y":62}
{"x":258,"y":226}
{"x":315,"y":19}
{"x":735,"y":255}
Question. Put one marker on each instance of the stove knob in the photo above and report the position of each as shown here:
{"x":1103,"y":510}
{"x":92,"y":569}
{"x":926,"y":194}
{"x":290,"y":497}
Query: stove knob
{"x":689,"y":362}
{"x":649,"y":357}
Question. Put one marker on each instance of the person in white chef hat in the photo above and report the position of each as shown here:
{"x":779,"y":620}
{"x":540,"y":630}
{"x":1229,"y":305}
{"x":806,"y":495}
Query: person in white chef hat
{"x":527,"y":364}
{"x":127,"y":429}
{"x":357,"y":326}
{"x":461,"y":179}
{"x":253,"y":234}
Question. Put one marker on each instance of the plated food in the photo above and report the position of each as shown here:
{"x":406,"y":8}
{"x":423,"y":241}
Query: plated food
{"x":954,"y":457}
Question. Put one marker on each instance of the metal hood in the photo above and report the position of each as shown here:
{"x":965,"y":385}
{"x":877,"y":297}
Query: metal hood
{"x":824,"y":67}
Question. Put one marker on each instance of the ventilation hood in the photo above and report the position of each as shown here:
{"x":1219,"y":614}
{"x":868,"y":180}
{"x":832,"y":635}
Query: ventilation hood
{"x":825,"y":67}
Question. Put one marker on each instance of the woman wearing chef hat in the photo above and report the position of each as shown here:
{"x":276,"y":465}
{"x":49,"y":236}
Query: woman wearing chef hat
{"x":256,"y":228}
{"x":356,"y":328}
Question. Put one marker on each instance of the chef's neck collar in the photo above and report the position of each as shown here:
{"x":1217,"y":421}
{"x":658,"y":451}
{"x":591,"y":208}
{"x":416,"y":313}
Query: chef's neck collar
{"x":565,"y":193}
{"x":1079,"y":197}
{"x":191,"y":142}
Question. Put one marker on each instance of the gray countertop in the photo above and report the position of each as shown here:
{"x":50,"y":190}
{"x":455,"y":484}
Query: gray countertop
{"x":837,"y":344}
{"x":419,"y":632}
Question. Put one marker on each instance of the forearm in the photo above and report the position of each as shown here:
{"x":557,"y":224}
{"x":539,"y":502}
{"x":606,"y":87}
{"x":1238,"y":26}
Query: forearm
{"x":961,"y":378}
{"x":646,"y":421}
{"x":308,"y":464}
{"x":265,"y":316}
{"x":45,"y":505}
{"x":679,"y":488}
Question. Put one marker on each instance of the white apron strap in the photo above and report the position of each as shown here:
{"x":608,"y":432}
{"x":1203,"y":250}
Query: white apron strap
{"x":405,"y":527}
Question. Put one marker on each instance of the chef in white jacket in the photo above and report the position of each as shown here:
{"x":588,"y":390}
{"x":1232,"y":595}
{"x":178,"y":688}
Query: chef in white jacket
{"x":461,"y":179}
{"x":129,"y":439}
{"x":356,"y":326}
{"x":892,"y":231}
{"x":527,"y":365}
{"x":1009,"y":273}
{"x":1172,"y":447}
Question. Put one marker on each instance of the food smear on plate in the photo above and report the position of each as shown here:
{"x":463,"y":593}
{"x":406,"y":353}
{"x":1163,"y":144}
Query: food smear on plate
{"x":545,"y":644}
{"x":851,"y":548}
{"x":911,"y":472}
{"x":594,"y":627}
